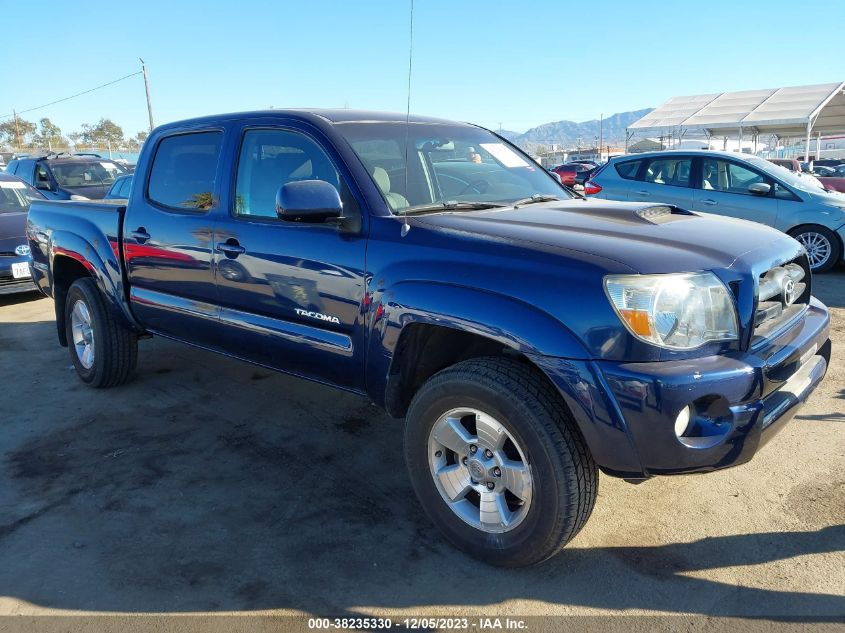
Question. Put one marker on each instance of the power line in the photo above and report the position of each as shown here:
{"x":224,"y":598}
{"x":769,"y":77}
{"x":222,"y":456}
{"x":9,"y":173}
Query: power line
{"x":78,"y":94}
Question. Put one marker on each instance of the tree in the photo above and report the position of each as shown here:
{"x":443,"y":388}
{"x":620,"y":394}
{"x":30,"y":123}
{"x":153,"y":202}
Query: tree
{"x":104,"y":132}
{"x":136,"y":141}
{"x":16,"y":135}
{"x":49,"y":135}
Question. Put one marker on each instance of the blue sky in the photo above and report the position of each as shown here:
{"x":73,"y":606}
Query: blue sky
{"x":516,"y":63}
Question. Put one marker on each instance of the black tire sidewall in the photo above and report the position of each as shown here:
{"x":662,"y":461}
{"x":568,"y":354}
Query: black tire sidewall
{"x":533,"y":534}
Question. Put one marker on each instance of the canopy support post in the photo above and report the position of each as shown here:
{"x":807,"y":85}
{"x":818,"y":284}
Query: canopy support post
{"x":807,"y":145}
{"x":818,"y":146}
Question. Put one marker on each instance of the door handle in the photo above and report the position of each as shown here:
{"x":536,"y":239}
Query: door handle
{"x":642,"y":193}
{"x":140,"y":235}
{"x":710,"y":202}
{"x":230,"y":248}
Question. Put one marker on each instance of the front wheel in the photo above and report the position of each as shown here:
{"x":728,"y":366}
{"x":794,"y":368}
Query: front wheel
{"x":822,"y":246}
{"x":497,"y":462}
{"x":103,"y":351}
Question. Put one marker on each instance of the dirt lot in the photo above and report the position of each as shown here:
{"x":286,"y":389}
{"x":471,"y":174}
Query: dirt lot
{"x":209,"y":485}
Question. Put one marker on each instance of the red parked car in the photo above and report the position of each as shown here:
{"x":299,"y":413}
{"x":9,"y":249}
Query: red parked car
{"x":569,"y":172}
{"x":836,"y":180}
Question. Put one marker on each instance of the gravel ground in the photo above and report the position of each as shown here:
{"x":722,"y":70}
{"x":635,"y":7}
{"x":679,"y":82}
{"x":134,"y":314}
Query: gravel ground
{"x":212,"y":486}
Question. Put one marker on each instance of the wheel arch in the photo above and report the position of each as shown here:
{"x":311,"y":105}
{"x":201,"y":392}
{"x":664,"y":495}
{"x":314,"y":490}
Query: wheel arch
{"x":72,"y":258}
{"x":410,"y":344}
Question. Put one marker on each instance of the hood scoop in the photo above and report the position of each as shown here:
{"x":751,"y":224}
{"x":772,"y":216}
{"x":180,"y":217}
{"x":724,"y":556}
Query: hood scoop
{"x":646,"y":214}
{"x":661,"y":213}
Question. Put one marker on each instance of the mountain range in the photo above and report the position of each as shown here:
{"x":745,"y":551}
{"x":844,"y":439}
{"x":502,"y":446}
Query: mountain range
{"x":567,"y":133}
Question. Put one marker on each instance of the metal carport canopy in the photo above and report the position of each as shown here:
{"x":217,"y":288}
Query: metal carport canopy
{"x":797,"y":111}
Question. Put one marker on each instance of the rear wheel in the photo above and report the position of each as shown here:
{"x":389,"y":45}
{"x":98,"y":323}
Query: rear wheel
{"x":497,"y":462}
{"x":103,"y":351}
{"x":822,"y":245}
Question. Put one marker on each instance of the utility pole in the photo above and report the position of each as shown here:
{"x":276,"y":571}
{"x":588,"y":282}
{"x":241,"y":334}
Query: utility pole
{"x":601,"y":133}
{"x":17,"y":129}
{"x":147,"y":88}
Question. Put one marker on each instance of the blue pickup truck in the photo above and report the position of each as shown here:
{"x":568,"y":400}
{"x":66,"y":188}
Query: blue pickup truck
{"x":528,"y":336}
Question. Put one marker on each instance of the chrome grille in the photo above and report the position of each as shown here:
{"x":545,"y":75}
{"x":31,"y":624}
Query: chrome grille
{"x":781,"y":296}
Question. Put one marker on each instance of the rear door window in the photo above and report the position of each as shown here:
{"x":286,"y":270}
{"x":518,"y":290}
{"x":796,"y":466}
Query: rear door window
{"x":184,"y":171}
{"x":669,"y":171}
{"x":628,"y":169}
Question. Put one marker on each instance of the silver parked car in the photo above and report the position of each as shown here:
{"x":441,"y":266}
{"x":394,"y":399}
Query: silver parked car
{"x":736,"y":185}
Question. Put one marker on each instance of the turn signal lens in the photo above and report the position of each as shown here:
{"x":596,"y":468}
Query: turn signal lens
{"x":637,"y":321}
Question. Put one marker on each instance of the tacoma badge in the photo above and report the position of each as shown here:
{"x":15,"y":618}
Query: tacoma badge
{"x":318,"y":315}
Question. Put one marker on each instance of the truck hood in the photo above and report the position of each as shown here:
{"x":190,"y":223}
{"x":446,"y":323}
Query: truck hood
{"x":646,"y":238}
{"x":12,"y":231}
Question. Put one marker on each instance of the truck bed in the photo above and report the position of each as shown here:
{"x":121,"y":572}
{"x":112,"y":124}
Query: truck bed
{"x":88,"y":232}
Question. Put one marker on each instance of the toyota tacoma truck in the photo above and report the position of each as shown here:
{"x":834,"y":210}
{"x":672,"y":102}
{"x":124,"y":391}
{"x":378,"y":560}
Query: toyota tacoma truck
{"x":528,"y":337}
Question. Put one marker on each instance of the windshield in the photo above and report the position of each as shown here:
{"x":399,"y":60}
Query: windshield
{"x":446,"y":164}
{"x":804,"y":183}
{"x":15,"y":196}
{"x":86,"y":174}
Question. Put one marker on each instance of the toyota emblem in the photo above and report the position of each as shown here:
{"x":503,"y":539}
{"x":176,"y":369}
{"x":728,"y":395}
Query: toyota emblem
{"x":22,"y":250}
{"x":788,"y":291}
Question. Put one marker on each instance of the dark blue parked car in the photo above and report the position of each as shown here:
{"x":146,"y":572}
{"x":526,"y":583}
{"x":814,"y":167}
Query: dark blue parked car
{"x":528,"y":337}
{"x":67,"y":176}
{"x":15,"y":199}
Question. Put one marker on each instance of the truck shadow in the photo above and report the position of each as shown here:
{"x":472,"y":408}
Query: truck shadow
{"x":18,"y":298}
{"x":830,"y":287}
{"x":210,"y":485}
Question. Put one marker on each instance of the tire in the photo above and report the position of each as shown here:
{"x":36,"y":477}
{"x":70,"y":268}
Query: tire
{"x":819,"y":241}
{"x":542,"y":435}
{"x":114,"y":353}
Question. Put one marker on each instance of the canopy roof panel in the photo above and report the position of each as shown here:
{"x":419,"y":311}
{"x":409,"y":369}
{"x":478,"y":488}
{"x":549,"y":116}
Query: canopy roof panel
{"x":780,"y":111}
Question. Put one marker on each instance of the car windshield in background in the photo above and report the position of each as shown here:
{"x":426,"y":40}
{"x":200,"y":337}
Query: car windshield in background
{"x":787,"y":176}
{"x":15,"y":197}
{"x":447,"y":164}
{"x":86,"y":173}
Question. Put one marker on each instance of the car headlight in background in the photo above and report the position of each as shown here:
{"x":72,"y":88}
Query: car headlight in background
{"x":676,"y":311}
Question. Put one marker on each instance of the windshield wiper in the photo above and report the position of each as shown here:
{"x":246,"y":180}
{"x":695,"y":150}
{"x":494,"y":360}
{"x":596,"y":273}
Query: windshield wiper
{"x":450,"y":205}
{"x":537,"y":197}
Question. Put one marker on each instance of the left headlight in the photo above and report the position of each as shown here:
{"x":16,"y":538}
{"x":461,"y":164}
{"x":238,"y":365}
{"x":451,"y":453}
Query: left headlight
{"x":676,"y":311}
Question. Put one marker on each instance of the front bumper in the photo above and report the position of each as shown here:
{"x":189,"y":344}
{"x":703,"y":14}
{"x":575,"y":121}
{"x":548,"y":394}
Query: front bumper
{"x":627,"y":411}
{"x":8,"y":283}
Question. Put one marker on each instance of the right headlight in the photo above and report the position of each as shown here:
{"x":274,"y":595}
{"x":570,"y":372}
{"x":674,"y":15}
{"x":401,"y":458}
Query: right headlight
{"x":676,"y":311}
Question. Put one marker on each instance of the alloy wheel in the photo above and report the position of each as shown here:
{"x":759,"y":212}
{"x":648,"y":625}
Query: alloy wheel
{"x":480,"y":470}
{"x":83,"y":334}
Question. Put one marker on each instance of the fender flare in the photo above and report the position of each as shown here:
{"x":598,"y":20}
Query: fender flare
{"x":103,"y":266}
{"x":514,"y":323}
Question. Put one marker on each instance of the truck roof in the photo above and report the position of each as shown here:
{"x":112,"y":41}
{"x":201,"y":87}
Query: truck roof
{"x":330,"y":115}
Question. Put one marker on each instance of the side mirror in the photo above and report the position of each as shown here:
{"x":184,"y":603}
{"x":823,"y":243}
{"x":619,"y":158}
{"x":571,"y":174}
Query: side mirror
{"x":760,"y":189}
{"x":557,"y":177}
{"x":43,"y":186}
{"x":308,"y":201}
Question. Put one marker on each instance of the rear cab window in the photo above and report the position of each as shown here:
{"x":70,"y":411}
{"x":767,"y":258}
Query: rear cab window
{"x":184,"y":170}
